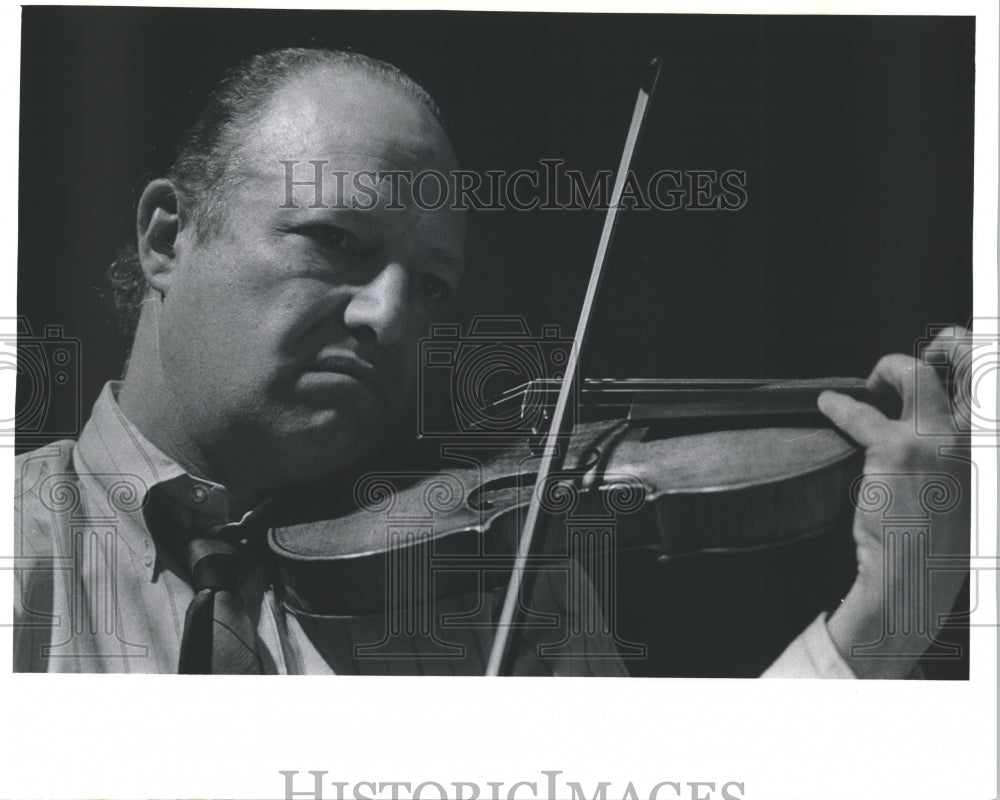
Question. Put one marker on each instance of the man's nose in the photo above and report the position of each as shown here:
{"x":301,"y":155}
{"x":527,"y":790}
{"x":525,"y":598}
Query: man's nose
{"x":381,"y":304}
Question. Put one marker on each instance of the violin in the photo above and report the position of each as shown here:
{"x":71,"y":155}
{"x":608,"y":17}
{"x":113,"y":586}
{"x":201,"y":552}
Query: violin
{"x":505,"y":559}
{"x":658,"y":471}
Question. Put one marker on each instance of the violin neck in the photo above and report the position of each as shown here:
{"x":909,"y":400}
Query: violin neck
{"x":645,"y":400}
{"x":737,"y":399}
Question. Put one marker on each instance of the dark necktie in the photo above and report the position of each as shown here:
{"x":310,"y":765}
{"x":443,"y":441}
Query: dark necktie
{"x":219,"y":636}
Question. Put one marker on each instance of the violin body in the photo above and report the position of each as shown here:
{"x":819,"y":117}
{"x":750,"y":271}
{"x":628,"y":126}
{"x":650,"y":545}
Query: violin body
{"x":412,"y":576}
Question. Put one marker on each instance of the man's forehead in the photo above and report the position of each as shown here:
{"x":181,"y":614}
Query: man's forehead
{"x":339,"y":112}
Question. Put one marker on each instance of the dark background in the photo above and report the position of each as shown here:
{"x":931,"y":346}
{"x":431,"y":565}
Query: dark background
{"x":856,"y":135}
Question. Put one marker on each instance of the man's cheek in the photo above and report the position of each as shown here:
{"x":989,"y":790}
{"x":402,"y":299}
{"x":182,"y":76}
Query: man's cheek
{"x":410,"y":380}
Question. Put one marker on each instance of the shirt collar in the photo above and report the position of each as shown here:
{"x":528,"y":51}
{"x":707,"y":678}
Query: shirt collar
{"x":111,"y":447}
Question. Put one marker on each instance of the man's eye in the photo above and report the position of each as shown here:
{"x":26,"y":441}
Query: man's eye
{"x":434,"y":288}
{"x":332,"y":237}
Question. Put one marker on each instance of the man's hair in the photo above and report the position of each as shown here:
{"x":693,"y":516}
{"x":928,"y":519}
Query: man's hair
{"x":209,"y":153}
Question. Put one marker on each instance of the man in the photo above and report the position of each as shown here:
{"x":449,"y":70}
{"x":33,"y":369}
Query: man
{"x":276,"y":345}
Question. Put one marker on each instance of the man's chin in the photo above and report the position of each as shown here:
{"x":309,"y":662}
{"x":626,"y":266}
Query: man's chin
{"x":332,"y":441}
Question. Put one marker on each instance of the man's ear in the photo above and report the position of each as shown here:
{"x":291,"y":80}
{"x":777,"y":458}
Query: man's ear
{"x":157,"y":226}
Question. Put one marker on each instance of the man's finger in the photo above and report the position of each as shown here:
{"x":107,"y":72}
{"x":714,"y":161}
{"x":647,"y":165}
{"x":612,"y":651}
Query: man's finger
{"x":950,"y":346}
{"x":916,"y":383}
{"x":865,"y":424}
{"x":952,"y":355}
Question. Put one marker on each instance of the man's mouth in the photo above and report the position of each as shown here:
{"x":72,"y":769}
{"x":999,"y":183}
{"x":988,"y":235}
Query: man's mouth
{"x":328,"y":367}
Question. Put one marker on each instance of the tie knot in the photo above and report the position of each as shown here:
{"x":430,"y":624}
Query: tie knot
{"x":214,"y":564}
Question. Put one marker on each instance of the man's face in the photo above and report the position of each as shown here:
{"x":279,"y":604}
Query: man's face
{"x":290,"y":337}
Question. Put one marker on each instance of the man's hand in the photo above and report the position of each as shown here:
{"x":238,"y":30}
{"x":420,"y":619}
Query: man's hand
{"x":917,"y":467}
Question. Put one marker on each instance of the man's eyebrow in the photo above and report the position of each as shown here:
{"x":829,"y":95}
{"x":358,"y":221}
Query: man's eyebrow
{"x":446,"y":257}
{"x":334,"y":213}
{"x":354,"y":217}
